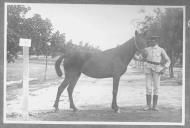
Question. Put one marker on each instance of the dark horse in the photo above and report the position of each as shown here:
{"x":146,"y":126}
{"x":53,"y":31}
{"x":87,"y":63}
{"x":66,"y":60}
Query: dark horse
{"x":109,"y":63}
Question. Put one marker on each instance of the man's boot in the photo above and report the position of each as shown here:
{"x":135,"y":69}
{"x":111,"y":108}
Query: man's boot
{"x":148,"y":100}
{"x":155,"y":100}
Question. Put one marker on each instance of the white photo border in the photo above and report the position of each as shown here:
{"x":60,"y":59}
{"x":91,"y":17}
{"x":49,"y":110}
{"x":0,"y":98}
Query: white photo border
{"x":182,"y":123}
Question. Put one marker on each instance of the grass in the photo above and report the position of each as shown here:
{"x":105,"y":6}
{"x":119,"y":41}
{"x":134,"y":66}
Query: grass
{"x":36,"y":69}
{"x":90,"y":113}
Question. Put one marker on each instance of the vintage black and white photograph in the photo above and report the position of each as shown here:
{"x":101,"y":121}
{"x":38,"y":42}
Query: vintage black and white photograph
{"x":94,"y":64}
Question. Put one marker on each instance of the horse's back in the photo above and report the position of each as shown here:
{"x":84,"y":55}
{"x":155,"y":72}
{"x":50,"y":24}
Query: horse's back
{"x":99,"y":65}
{"x":75,"y":60}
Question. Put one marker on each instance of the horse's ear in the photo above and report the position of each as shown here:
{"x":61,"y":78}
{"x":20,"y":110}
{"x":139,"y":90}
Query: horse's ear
{"x":136,"y":33}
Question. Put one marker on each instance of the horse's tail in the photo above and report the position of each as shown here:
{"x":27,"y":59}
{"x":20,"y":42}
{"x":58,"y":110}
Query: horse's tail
{"x":57,"y":65}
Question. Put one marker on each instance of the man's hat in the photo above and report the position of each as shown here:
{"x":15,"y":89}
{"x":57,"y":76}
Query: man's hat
{"x":155,"y":38}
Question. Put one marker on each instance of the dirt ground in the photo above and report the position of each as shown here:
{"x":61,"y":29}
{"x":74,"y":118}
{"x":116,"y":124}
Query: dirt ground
{"x":93,"y":98}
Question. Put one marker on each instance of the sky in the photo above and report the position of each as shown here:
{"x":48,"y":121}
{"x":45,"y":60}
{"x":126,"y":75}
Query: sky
{"x":105,"y":26}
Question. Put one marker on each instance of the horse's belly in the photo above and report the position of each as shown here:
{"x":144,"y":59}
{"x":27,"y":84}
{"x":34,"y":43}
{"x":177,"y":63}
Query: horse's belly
{"x":97,"y":69}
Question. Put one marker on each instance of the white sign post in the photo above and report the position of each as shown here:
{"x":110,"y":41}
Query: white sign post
{"x":25,"y":43}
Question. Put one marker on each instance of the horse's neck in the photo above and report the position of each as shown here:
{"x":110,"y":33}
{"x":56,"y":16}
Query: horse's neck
{"x":127,"y":50}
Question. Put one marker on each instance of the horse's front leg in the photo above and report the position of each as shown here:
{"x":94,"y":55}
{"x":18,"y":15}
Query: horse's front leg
{"x":115,"y":91}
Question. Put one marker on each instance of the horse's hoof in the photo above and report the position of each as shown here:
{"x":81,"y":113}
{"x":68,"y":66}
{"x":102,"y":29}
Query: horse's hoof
{"x":117,"y":111}
{"x":56,"y":110}
{"x":75,"y":110}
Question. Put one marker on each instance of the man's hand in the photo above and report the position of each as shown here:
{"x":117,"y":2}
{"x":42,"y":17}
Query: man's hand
{"x":163,"y":70}
{"x":144,"y":53}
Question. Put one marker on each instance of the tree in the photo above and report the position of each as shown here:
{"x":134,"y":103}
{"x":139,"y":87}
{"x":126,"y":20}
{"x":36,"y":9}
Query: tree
{"x":57,"y":43}
{"x":46,"y":56}
{"x":168,"y":25}
{"x":173,"y":34}
{"x":15,"y":20}
{"x":35,"y":28}
{"x":39,"y":30}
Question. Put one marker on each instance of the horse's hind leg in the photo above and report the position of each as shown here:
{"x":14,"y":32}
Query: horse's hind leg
{"x":59,"y":92}
{"x":70,"y":91}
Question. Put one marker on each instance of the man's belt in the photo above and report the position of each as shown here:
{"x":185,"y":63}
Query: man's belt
{"x":155,"y":63}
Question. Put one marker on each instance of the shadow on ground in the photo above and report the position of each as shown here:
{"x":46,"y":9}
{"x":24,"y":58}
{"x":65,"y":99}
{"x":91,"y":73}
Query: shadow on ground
{"x":98,"y":113}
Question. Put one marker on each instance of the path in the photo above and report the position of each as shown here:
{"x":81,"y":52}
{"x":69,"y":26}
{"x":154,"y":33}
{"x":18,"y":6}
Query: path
{"x":93,"y":97}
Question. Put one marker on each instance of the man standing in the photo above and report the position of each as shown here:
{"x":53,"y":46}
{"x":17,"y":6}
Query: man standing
{"x":154,"y":67}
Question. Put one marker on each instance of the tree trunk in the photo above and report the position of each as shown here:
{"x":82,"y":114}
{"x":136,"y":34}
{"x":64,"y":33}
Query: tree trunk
{"x":171,"y":65}
{"x":181,"y":59}
{"x":171,"y":71}
{"x":45,"y":68}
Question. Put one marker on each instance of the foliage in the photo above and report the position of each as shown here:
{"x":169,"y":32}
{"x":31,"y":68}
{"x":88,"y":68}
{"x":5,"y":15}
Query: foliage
{"x":69,"y":46}
{"x":40,"y":31}
{"x":34,"y":28}
{"x":167,"y":24}
{"x":15,"y":14}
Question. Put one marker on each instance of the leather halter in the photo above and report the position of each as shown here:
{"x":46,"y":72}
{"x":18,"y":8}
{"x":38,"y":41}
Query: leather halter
{"x":137,"y":47}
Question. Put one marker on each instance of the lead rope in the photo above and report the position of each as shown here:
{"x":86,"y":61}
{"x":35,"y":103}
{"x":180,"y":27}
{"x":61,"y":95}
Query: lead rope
{"x":137,"y":47}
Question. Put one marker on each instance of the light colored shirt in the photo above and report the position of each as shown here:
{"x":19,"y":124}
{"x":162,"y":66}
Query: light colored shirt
{"x":156,"y":54}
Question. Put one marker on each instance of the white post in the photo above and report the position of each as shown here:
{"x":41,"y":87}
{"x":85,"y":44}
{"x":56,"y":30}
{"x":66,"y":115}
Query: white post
{"x":25,"y":43}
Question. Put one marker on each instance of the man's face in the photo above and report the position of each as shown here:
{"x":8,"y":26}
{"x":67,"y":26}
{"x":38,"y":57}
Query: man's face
{"x":153,"y":42}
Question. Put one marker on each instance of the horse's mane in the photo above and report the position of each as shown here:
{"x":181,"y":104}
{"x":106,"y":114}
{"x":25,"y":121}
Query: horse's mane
{"x":77,"y":58}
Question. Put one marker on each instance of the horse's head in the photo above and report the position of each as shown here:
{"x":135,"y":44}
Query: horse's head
{"x":140,"y":40}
